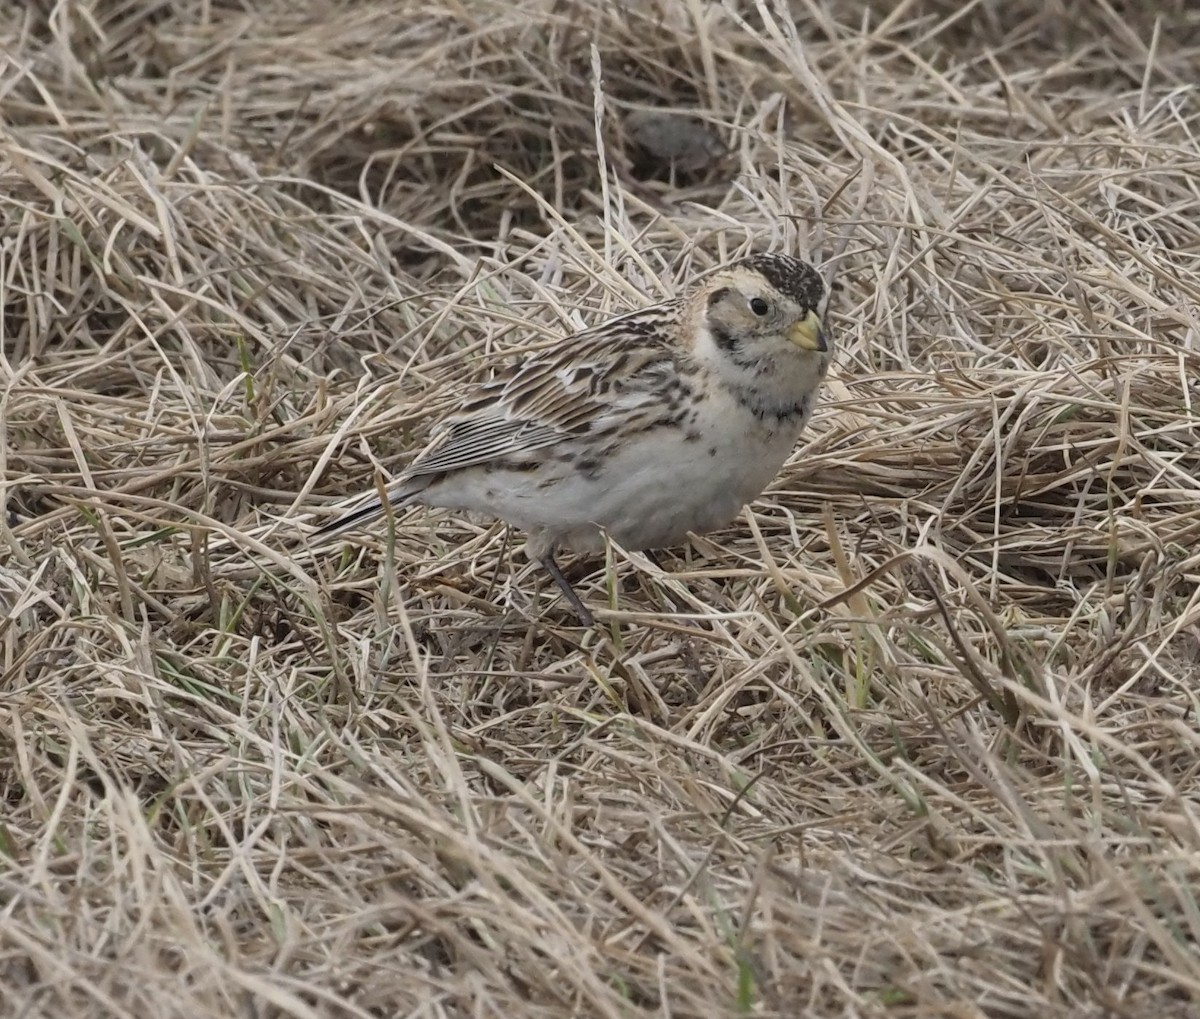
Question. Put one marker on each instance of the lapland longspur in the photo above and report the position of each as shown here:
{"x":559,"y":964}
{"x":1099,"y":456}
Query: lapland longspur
{"x":653,"y":424}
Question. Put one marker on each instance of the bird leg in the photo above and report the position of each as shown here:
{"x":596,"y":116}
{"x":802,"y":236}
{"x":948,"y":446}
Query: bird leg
{"x":581,"y":610}
{"x":677,"y":603}
{"x":655,"y":558}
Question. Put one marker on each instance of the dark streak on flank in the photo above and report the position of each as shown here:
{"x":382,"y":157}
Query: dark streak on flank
{"x":677,"y":394}
{"x":588,"y":466}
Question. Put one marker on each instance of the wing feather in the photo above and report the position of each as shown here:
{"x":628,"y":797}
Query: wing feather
{"x":474,"y":442}
{"x":578,"y":386}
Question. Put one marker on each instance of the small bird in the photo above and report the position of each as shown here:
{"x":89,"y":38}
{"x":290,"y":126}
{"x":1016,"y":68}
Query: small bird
{"x":648,"y":426}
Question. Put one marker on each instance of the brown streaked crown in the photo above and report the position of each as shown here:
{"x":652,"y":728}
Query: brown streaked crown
{"x":792,"y":277}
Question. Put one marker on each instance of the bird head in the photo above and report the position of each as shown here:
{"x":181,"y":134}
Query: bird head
{"x":762,"y":315}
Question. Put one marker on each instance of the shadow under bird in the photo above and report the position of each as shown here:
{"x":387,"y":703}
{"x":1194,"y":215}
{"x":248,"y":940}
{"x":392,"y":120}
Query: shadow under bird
{"x":650,"y":425}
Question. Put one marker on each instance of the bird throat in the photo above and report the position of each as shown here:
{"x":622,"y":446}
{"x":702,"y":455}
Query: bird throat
{"x":754,"y":380}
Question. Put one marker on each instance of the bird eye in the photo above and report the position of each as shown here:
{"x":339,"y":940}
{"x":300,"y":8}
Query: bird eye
{"x":759,"y":306}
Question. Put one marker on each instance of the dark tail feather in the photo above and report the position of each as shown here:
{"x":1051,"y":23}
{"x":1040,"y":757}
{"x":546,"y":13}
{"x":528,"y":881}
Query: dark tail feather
{"x":369,"y":511}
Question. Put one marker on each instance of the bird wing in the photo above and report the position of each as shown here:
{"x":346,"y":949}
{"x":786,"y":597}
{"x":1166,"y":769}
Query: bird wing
{"x":612,"y":376}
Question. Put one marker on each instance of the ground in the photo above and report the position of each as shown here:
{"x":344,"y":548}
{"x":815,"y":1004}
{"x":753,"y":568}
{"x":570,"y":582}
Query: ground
{"x":916,"y":736}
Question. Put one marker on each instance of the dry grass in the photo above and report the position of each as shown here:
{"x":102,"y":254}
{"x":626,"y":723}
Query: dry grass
{"x":924,"y":743}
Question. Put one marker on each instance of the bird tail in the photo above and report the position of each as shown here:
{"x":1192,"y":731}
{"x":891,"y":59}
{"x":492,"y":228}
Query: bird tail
{"x":367,"y":512}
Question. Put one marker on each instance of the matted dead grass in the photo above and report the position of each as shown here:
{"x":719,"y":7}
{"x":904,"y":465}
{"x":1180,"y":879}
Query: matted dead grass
{"x":923,"y":740}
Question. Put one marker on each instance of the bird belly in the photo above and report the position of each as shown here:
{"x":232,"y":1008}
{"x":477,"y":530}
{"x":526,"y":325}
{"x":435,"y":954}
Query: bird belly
{"x":651,"y":492}
{"x":647,"y":492}
{"x":652,"y":497}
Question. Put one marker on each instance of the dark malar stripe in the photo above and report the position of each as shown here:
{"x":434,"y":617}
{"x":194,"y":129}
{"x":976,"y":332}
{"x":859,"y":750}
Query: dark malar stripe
{"x":724,"y":340}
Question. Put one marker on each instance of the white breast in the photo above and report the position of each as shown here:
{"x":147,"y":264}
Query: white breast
{"x":648,"y":493}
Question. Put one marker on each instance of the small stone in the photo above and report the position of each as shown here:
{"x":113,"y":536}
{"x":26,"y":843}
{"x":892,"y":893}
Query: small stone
{"x":674,"y":140}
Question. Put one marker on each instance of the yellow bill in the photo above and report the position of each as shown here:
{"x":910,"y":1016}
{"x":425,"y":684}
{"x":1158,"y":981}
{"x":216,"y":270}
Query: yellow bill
{"x":807,"y":334}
